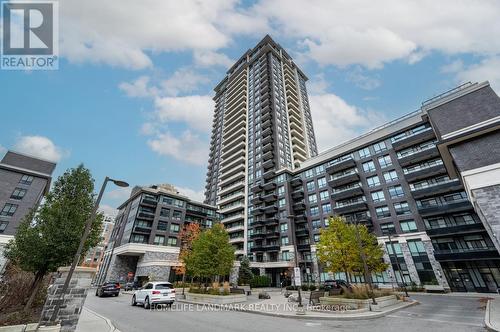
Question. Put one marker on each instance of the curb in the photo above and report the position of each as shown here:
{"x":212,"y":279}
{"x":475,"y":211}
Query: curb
{"x":112,"y":327}
{"x":489,"y":327}
{"x":372,"y":314}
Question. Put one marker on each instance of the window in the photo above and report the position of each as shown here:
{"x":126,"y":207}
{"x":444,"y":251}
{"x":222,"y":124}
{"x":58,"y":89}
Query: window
{"x":162,"y":226}
{"x":174,"y":228}
{"x":309,"y":173}
{"x":283,"y":228}
{"x":8,"y":210}
{"x":285,"y":255}
{"x":373,"y":181}
{"x":378,"y":196}
{"x":314,"y":211}
{"x":159,"y":240}
{"x":379,"y":147}
{"x":26,"y":179}
{"x":165,"y":212}
{"x":323,"y":195}
{"x":416,"y":247}
{"x":139,"y":238}
{"x":18,"y":193}
{"x":310,"y":185}
{"x":365,"y":152}
{"x":316,"y":237}
{"x":172,"y":241}
{"x":281,"y":190}
{"x":282,"y":202}
{"x":312,"y":198}
{"x":320,"y":169}
{"x":3,"y":226}
{"x":385,"y":161}
{"x":177,"y":215}
{"x":408,"y":226}
{"x":369,"y":166}
{"x":383,"y":212}
{"x":322,"y":182}
{"x":316,"y":224}
{"x":390,"y":176}
{"x":327,"y":208}
{"x":402,"y":208}
{"x":387,"y":228}
{"x":284,"y":240}
{"x":396,"y":191}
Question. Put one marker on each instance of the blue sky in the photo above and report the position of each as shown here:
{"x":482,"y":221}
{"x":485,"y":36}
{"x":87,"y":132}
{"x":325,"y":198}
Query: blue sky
{"x":132,"y":96}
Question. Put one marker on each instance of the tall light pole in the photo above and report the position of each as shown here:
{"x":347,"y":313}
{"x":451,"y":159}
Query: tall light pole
{"x":300,"y":309}
{"x":85,"y":235}
{"x":397,"y":263}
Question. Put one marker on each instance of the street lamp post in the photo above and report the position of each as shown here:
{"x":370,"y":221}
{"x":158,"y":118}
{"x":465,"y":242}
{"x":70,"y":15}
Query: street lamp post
{"x":397,"y":264}
{"x":300,"y":309}
{"x":85,"y":235}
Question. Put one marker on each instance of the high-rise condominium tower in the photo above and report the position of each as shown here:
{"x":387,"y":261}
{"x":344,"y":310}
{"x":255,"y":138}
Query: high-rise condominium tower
{"x":262,"y":123}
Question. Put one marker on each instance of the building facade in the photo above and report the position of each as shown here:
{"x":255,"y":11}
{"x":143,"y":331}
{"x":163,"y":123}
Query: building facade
{"x":145,"y":242}
{"x":24,"y":180}
{"x":94,"y":256}
{"x":262,"y":123}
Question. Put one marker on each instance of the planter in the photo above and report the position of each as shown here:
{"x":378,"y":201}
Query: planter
{"x":434,"y":289}
{"x":30,"y":328}
{"x":216,"y":299}
{"x":356,"y":304}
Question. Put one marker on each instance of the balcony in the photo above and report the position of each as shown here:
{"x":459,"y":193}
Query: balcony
{"x":149,"y":201}
{"x":256,"y":200}
{"x":272,"y":234}
{"x":267,"y":132}
{"x":268,"y":175}
{"x":465,"y":254}
{"x":269,"y":186}
{"x":347,"y":192}
{"x":298,"y":194}
{"x":270,"y":197}
{"x":350,"y":207}
{"x":271,"y":247}
{"x":413,"y":158}
{"x":303,"y":246}
{"x":300,"y":218}
{"x":296,"y":182}
{"x":425,"y":172}
{"x":145,"y":215}
{"x":299,"y":206}
{"x":259,"y":235}
{"x":257,"y":188}
{"x":434,"y":189}
{"x":270,"y":209}
{"x":341,"y":165}
{"x":258,"y":211}
{"x":450,"y":207}
{"x":267,"y":147}
{"x":142,"y":229}
{"x":343,"y":179}
{"x":301,"y":232}
{"x":413,"y":139}
{"x":454,"y":230}
{"x":268,"y":164}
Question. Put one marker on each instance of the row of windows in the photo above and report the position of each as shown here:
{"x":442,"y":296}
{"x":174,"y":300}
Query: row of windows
{"x":401,"y":208}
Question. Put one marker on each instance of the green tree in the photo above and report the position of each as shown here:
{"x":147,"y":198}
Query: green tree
{"x":212,"y":255}
{"x":336,"y":248}
{"x":48,"y":238}
{"x":245,"y":274}
{"x":374,"y":252}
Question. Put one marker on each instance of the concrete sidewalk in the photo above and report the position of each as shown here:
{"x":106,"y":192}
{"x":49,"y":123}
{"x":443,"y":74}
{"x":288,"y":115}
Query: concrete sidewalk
{"x":91,"y":321}
{"x":492,"y":315}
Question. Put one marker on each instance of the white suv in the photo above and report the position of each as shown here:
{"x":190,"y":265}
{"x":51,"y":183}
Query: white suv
{"x":157,"y":292}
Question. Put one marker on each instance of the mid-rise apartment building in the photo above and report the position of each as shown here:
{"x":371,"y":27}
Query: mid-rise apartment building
{"x":24,"y":180}
{"x":262,"y":123}
{"x":94,"y":256}
{"x":145,"y":240}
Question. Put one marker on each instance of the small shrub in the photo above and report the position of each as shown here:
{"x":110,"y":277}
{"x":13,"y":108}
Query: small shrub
{"x":264,"y":296}
{"x":260,"y":281}
{"x":312,"y":287}
{"x":304,"y":288}
{"x":291,"y":288}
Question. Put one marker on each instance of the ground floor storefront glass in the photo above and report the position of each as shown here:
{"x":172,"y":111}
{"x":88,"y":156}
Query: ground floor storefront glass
{"x":473,"y":276}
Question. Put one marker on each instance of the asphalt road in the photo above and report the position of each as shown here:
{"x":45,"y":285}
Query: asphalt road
{"x":436,"y":313}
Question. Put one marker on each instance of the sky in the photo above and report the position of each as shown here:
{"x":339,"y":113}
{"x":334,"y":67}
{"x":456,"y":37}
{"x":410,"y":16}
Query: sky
{"x":132,"y":98}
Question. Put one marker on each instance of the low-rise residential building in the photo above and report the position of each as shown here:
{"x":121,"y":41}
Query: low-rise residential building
{"x":145,"y":240}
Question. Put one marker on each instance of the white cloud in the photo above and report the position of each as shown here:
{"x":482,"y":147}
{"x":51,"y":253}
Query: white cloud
{"x":139,"y":88}
{"x":486,"y":70}
{"x":453,"y":67}
{"x":2,"y":149}
{"x":317,"y":84}
{"x":361,"y":80}
{"x":211,"y":58}
{"x":187,"y":147}
{"x":108,"y":210}
{"x":335,"y":121}
{"x":184,"y":80}
{"x":126,"y":33}
{"x":120,"y":194}
{"x":196,"y":111}
{"x":39,"y":146}
{"x":196,"y":195}
{"x":371,"y":33}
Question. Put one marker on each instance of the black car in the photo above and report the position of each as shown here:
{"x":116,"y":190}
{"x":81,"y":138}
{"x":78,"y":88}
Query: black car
{"x":336,"y":284}
{"x":108,"y":288}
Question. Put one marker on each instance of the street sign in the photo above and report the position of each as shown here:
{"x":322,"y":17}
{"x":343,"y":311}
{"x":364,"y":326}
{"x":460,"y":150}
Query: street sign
{"x":296,"y":276}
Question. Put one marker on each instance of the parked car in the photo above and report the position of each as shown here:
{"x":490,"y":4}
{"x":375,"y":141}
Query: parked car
{"x":108,"y":288}
{"x":131,"y":285}
{"x":336,"y":284}
{"x":153,"y":293}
